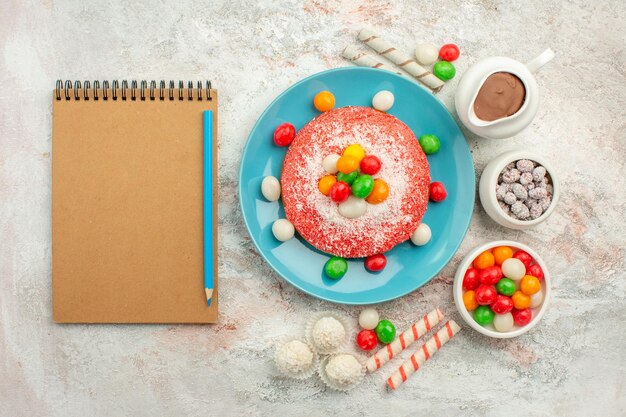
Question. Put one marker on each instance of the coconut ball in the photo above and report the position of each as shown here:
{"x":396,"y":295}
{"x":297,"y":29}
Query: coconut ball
{"x":294,"y":357}
{"x":344,"y":370}
{"x":328,"y":333}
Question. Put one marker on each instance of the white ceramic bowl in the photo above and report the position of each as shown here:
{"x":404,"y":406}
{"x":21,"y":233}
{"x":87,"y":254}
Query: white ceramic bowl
{"x":489,"y":330}
{"x":489,"y":180}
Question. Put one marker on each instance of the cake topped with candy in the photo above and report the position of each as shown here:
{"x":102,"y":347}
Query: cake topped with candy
{"x":355,"y":182}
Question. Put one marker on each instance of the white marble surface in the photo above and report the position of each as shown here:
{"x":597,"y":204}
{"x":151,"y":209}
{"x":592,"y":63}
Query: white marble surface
{"x":571,"y":365}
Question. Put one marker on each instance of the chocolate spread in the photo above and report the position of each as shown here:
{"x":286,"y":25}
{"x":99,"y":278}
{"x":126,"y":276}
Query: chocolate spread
{"x":501,"y":95}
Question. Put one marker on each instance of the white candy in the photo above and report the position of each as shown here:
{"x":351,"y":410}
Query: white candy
{"x":283,"y":230}
{"x":368,"y":319}
{"x":270,"y":188}
{"x":330,"y":163}
{"x":536,"y":299}
{"x":426,"y":53}
{"x":353,"y":207}
{"x":514,"y":269}
{"x":383,"y":100}
{"x":503,"y":322}
{"x":421,"y":235}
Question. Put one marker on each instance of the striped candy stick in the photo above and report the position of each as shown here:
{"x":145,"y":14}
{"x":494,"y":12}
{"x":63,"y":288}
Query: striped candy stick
{"x":363,"y":59}
{"x":428,"y":349}
{"x":413,"y":333}
{"x":401,"y":59}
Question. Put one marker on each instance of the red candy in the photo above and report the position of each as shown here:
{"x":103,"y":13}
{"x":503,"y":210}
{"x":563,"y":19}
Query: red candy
{"x":370,"y":165}
{"x":366,"y":339}
{"x":449,"y":52}
{"x":375,"y":263}
{"x":284,"y":134}
{"x":536,"y":271}
{"x":522,"y":317}
{"x":490,"y":275}
{"x":340,"y":191}
{"x":502,"y":305}
{"x":437,"y":192}
{"x":485,"y":295}
{"x":524,"y":257}
{"x":470,"y":280}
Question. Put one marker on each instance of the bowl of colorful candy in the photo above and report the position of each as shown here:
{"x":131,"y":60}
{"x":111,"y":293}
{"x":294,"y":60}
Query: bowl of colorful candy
{"x":502,"y":289}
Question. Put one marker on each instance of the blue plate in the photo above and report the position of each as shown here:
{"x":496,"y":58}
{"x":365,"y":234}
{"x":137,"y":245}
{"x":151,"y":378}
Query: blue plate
{"x":408,"y":267}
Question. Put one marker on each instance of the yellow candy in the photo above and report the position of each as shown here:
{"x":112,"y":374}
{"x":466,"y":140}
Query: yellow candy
{"x":347,"y":164}
{"x":324,"y":101}
{"x":356,"y":151}
{"x":326,"y":183}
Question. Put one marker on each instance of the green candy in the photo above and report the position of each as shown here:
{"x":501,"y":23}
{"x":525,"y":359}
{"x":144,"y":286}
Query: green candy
{"x":444,"y":70}
{"x":335,"y":267}
{"x":363,"y":186}
{"x":430,"y":144}
{"x":506,"y":286}
{"x":347,"y":178}
{"x":483,"y":315}
{"x":385,"y":331}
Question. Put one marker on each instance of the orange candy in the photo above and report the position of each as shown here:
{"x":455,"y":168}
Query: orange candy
{"x":529,"y":285}
{"x":502,"y":253}
{"x":379,"y":193}
{"x":469,"y":300}
{"x":484,"y":260}
{"x":520,"y":300}
{"x":347,"y":164}
{"x":325,"y":183}
{"x":324,"y":101}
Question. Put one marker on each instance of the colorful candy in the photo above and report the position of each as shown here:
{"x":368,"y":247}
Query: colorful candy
{"x":284,"y":134}
{"x":347,"y":164}
{"x":502,"y":305}
{"x":430,"y":144}
{"x":330,"y":163}
{"x":484,"y":260}
{"x":375,"y":263}
{"x":524,"y":257}
{"x":383,"y":100}
{"x":379,"y":193}
{"x":386,"y":331}
{"x":520,"y":300}
{"x":325,"y":183}
{"x":514,"y":269}
{"x":536,"y":271}
{"x":352,"y":208}
{"x":444,"y":70}
{"x":501,"y":254}
{"x":283,"y":230}
{"x":324,"y":101}
{"x":536,"y":299}
{"x":426,"y":53}
{"x":469,"y":300}
{"x":335,"y":267}
{"x":368,"y":319}
{"x":355,"y":150}
{"x":483,"y":315}
{"x":270,"y":188}
{"x":421,"y":235}
{"x":363,"y":186}
{"x":490,"y":275}
{"x":503,"y":322}
{"x":437,"y":192}
{"x":522,"y":317}
{"x":347,"y":178}
{"x":449,"y":52}
{"x":485,"y":294}
{"x":366,"y":339}
{"x":506,"y":287}
{"x":470,"y":280}
{"x":339,"y":192}
{"x":370,"y":165}
{"x":529,"y":285}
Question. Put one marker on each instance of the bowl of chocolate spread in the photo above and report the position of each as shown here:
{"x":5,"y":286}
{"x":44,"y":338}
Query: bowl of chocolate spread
{"x":498,"y":96}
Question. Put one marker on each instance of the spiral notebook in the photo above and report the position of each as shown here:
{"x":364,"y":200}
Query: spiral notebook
{"x":127,"y":202}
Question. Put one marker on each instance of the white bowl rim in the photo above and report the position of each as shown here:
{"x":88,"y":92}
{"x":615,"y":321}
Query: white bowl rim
{"x":458,"y":289}
{"x":515,"y":155}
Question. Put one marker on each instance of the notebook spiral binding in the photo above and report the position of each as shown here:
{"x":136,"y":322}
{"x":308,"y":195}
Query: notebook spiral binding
{"x":77,"y":89}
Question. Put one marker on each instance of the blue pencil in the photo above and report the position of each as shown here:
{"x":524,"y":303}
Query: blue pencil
{"x":208,"y":205}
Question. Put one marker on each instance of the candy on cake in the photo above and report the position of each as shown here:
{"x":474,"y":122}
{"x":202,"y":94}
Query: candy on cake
{"x":327,"y":332}
{"x":342,"y":371}
{"x":295,"y":359}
